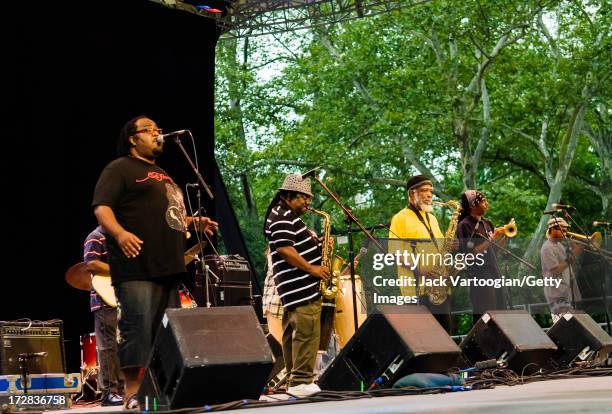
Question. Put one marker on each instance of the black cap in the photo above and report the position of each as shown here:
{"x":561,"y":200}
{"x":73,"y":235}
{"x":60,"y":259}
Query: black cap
{"x":416,"y":181}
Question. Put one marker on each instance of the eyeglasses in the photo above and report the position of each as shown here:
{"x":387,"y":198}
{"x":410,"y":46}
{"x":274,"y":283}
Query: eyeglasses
{"x":304,"y":196}
{"x":150,"y":130}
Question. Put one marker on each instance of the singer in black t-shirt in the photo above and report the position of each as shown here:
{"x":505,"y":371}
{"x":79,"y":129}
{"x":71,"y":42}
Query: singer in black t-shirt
{"x":142,"y":210}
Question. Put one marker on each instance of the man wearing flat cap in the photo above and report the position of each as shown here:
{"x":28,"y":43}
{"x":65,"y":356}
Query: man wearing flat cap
{"x":417,"y":222}
{"x":296,"y":264}
{"x":557,"y":255}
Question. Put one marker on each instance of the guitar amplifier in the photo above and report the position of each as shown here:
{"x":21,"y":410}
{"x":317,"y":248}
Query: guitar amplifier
{"x":31,"y":337}
{"x":231,"y":280}
{"x":230,"y":269}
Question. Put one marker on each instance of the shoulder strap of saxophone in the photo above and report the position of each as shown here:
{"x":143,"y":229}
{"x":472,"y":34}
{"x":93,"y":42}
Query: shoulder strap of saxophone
{"x":427,"y":225}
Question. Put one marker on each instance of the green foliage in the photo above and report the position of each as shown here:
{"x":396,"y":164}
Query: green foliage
{"x":370,"y":99}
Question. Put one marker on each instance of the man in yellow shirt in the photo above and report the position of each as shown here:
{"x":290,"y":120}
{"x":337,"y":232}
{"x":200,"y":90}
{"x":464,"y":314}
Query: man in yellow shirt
{"x":417,"y":222}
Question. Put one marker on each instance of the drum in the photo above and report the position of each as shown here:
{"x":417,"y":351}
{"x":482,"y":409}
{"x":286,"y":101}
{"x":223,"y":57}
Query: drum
{"x":328,"y":310}
{"x":185,"y":297}
{"x":344,"y":325}
{"x":89,"y":357}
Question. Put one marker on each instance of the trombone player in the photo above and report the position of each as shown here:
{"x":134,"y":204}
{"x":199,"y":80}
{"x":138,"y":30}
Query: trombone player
{"x":557,"y":257}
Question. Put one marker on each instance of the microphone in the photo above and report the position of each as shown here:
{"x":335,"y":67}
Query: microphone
{"x":551,"y":211}
{"x":162,"y":137}
{"x":310,"y":173}
{"x":561,"y":206}
{"x":602,"y":223}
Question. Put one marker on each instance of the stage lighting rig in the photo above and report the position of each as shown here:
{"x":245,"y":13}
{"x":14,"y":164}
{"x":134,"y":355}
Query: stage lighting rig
{"x":242,"y":18}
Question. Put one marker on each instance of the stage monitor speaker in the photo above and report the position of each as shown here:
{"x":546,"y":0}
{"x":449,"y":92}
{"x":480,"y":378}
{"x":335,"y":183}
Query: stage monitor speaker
{"x":580,"y":338}
{"x":206,"y":356}
{"x":392,"y":342}
{"x":32,"y":337}
{"x":512,"y":336}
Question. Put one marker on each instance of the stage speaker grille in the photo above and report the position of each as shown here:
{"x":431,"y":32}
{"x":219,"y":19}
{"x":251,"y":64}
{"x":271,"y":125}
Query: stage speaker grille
{"x":580,"y":338}
{"x":206,"y":356}
{"x":512,"y":336}
{"x":394,"y":341}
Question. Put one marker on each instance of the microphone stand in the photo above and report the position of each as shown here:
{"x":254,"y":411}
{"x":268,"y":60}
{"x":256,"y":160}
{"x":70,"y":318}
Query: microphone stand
{"x":509,"y":253}
{"x":350,"y":218}
{"x":206,"y":188}
{"x":194,"y":168}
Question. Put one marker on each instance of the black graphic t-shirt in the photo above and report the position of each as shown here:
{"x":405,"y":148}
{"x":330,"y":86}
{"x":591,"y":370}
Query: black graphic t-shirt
{"x":148,"y":203}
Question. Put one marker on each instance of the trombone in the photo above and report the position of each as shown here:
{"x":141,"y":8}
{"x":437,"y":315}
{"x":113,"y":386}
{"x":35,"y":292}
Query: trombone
{"x":592,"y":243}
{"x":594,"y":240}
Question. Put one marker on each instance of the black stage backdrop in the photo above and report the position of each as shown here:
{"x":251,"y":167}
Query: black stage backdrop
{"x":75,"y":71}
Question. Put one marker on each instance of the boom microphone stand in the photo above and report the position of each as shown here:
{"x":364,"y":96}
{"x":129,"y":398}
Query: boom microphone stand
{"x":199,"y":185}
{"x":349,"y":218}
{"x":508,"y":253}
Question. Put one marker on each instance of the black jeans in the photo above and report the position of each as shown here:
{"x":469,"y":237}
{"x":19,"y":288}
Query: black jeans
{"x":486,"y":298}
{"x":441,"y":312}
{"x":142,"y":303}
{"x":110,"y":378}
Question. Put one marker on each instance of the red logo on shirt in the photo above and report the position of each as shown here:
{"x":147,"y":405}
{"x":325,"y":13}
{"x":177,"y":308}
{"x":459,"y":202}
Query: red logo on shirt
{"x":152,"y":175}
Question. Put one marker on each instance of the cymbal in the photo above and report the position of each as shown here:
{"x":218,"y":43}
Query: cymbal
{"x":79,"y":277}
{"x":193,"y":251}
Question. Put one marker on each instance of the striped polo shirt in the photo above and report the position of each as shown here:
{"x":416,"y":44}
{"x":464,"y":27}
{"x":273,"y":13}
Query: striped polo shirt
{"x":295,"y":287}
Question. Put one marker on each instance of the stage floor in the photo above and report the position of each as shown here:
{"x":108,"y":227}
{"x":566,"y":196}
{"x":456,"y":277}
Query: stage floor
{"x":584,"y":395}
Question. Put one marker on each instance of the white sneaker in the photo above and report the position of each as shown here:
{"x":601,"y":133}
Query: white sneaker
{"x":304,"y":390}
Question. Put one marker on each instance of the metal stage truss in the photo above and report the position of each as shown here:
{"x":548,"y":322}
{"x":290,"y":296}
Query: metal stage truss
{"x":248,"y":18}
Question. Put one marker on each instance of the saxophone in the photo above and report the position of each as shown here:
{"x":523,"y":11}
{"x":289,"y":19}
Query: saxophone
{"x":329,"y":287}
{"x":438,"y":294}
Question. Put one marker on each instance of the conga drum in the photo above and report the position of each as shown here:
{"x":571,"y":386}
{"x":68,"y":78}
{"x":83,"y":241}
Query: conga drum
{"x":344,"y":324}
{"x":328,"y":310}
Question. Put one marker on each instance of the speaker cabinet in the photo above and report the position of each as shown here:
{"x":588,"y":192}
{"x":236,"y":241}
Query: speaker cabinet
{"x":394,"y":341}
{"x":206,"y":356}
{"x":31,"y":337}
{"x":512,"y":336}
{"x":580,"y":338}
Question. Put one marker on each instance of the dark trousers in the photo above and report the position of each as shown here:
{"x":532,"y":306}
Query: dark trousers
{"x":142,"y":303}
{"x":485,"y":298}
{"x":110,"y":378}
{"x":441,"y":312}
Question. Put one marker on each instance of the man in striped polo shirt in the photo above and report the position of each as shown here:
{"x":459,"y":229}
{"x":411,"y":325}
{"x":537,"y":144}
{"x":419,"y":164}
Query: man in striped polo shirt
{"x":296,"y":259}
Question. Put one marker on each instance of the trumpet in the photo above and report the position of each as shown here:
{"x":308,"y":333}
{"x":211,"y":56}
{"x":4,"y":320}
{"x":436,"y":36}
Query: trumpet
{"x":593,"y":240}
{"x":510,"y":229}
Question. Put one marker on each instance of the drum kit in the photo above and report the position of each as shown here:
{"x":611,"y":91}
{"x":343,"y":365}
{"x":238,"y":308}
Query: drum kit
{"x":79,"y":277}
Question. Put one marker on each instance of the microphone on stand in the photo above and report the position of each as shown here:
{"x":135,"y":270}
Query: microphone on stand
{"x":557,"y":206}
{"x":175,"y":134}
{"x":551,"y":211}
{"x":310,"y":173}
{"x":602,"y":223}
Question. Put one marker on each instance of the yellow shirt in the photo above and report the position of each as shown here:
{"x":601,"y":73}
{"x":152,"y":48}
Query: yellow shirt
{"x":406,"y":225}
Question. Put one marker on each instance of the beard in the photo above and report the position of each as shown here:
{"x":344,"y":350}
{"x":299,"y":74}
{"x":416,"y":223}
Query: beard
{"x":423,"y":205}
{"x":157,"y":151}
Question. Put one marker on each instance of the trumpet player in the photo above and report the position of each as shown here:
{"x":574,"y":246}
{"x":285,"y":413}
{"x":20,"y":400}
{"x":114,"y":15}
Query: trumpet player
{"x":476,"y":235}
{"x":297,"y":271}
{"x":557,"y":255}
